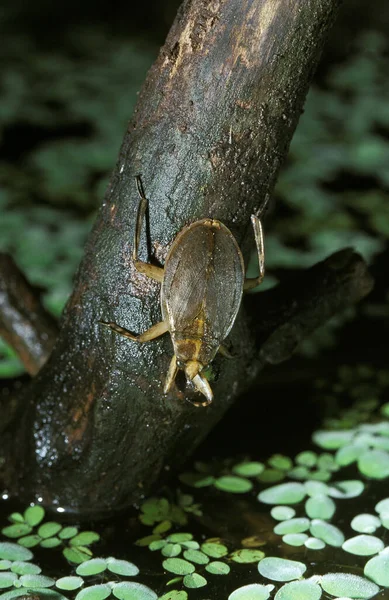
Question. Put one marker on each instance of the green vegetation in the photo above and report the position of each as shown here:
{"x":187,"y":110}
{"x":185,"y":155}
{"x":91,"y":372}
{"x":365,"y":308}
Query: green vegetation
{"x":72,"y":108}
{"x":304,"y":549}
{"x":29,"y":531}
{"x":340,"y":147}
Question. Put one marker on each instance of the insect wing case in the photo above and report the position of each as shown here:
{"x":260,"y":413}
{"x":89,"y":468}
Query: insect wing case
{"x":204,"y":276}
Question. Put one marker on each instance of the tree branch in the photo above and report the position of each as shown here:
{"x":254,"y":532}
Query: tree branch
{"x":283,"y":316}
{"x":211,"y":127}
{"x":24,"y":323}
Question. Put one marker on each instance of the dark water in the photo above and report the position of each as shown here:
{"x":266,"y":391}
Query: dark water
{"x":277,"y":417}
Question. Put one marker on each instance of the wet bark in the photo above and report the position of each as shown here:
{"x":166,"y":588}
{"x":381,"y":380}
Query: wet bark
{"x":24,"y":323}
{"x":212,"y":125}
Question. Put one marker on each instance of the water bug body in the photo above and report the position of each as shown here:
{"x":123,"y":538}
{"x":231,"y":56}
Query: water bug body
{"x":202,"y":283}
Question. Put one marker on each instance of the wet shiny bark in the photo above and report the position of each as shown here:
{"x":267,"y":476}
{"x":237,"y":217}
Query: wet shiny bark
{"x":211,"y":128}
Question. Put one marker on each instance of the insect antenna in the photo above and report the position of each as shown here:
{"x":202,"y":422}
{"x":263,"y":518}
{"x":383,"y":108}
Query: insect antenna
{"x":139,"y":187}
{"x":142,"y":215}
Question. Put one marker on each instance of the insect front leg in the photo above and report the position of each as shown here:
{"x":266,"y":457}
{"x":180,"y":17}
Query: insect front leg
{"x":171,"y":375}
{"x":151,"y":271}
{"x":201,"y":384}
{"x":150,"y":334}
{"x":249,"y":284}
{"x":224,"y":351}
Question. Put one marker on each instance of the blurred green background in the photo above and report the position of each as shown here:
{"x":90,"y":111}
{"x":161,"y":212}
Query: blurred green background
{"x":69,"y":76}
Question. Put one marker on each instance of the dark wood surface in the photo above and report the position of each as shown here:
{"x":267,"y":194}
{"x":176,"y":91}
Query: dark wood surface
{"x":210,"y":130}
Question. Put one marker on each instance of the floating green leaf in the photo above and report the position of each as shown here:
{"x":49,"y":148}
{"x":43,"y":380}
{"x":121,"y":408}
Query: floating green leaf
{"x":299,"y":590}
{"x":374,"y":464}
{"x":15,"y":593}
{"x":307,"y":459}
{"x":33,"y":515}
{"x":385,"y":410}
{"x":190,"y":545}
{"x":162,"y":527}
{"x":313,"y":543}
{"x":148,"y":540}
{"x":363,"y":545}
{"x":196,"y":556}
{"x":67,"y":533}
{"x":297,"y":525}
{"x":365,"y":523}
{"x":5,"y":565}
{"x":284,"y":493}
{"x":346,"y":584}
{"x":332,"y":440}
{"x":49,"y":529}
{"x":316,"y":488}
{"x":281,"y":569}
{"x":320,"y":475}
{"x":295,"y":539}
{"x":178,"y":566}
{"x":320,"y":507}
{"x":131,"y":590}
{"x":217,"y":567}
{"x":346,"y":489}
{"x":377,"y":569}
{"x":157,"y":544}
{"x":44,"y":593}
{"x":175,"y":595}
{"x":94,"y":592}
{"x":77,"y":555}
{"x":233,"y":484}
{"x":326,"y":462}
{"x":174,"y":580}
{"x":385,"y":520}
{"x":271,"y":476}
{"x":197,"y":480}
{"x":69,"y":583}
{"x":25,"y":568}
{"x":382,"y":506}
{"x":248,"y":469}
{"x":282,"y":513}
{"x":85,"y":538}
{"x":51,"y":542}
{"x":179,"y":538}
{"x":7,"y":579}
{"x":156,"y":510}
{"x":246,"y":555}
{"x":214,"y":550}
{"x":171,"y":550}
{"x":194,"y":581}
{"x":36,"y":581}
{"x":10,"y":551}
{"x":281,"y":462}
{"x":330,"y":534}
{"x":29,"y":541}
{"x":16,"y":518}
{"x":349,"y":454}
{"x":122,"y":567}
{"x":17,"y":530}
{"x":299,"y":472}
{"x":92,"y":567}
{"x":254,"y":591}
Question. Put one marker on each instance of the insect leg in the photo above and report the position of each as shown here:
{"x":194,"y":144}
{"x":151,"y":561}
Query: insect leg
{"x":249,"y":284}
{"x":202,"y":386}
{"x":151,"y":271}
{"x":171,"y":375}
{"x":150,"y":334}
{"x":224,"y":351}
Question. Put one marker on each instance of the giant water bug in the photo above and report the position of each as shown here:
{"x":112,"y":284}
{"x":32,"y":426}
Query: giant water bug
{"x":202,"y":283}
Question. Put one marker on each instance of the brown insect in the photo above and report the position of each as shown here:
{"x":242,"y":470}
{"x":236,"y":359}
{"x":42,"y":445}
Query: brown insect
{"x":202,"y":283}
